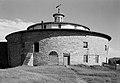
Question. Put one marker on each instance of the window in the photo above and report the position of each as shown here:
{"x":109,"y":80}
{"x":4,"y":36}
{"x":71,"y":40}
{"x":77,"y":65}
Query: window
{"x":55,"y":19}
{"x":59,"y":26}
{"x":53,"y":53}
{"x":97,"y":58}
{"x":85,"y":58}
{"x":36,"y":47}
{"x":44,"y":26}
{"x":85,"y":45}
{"x":59,"y":19}
{"x":106,"y":48}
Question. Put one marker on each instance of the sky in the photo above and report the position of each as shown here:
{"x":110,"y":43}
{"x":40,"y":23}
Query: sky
{"x":99,"y":15}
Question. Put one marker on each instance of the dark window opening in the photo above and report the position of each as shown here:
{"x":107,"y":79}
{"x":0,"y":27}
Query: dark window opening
{"x":105,"y":47}
{"x":44,"y":26}
{"x":53,"y":53}
{"x":59,"y":26}
{"x":36,"y":47}
{"x":85,"y":58}
{"x":85,"y":45}
{"x":55,"y":19}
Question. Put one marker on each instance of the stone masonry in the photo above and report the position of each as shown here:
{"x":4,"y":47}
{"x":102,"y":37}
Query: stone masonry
{"x":60,"y":41}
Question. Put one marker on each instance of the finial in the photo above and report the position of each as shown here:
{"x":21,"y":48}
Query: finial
{"x":58,"y":8}
{"x":58,"y":17}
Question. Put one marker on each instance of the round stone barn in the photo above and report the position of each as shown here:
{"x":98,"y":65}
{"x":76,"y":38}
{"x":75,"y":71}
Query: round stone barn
{"x":57,"y":43}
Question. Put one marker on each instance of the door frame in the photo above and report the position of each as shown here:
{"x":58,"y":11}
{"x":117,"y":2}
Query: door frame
{"x":68,"y":58}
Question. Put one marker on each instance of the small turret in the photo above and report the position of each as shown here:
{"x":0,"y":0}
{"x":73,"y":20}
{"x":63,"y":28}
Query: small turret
{"x":58,"y":17}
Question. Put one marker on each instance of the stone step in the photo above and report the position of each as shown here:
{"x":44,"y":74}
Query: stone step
{"x":29,"y":59}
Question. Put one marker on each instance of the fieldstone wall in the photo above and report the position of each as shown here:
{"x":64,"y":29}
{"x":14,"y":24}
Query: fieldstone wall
{"x":40,"y":59}
{"x":73,"y":45}
{"x":22,"y":43}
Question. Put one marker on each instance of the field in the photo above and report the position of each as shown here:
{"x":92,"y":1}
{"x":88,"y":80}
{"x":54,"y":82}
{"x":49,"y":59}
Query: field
{"x":59,"y":74}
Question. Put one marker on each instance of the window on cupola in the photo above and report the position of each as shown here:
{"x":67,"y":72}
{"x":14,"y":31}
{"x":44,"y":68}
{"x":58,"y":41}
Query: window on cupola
{"x":44,"y":26}
{"x":59,"y":26}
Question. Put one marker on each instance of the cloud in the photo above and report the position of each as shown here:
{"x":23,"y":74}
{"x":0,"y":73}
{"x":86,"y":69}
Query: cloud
{"x":113,"y":53}
{"x":9,"y":26}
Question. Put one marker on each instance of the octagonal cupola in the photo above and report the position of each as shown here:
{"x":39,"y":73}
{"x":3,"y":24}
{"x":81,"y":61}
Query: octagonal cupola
{"x":58,"y":17}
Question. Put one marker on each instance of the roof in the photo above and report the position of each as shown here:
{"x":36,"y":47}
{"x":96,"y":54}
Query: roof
{"x":58,"y":14}
{"x":45,"y":23}
{"x":74,"y":30}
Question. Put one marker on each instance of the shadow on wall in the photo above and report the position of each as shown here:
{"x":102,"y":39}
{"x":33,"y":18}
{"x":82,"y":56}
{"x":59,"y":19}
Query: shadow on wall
{"x":3,"y":55}
{"x":34,"y":59}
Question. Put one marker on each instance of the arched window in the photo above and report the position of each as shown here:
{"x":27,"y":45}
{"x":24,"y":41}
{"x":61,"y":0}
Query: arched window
{"x":53,"y":53}
{"x":53,"y":58}
{"x":36,"y":47}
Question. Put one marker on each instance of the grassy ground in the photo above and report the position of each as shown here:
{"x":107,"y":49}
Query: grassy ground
{"x":59,"y":74}
{"x":40,"y":74}
{"x":97,"y":74}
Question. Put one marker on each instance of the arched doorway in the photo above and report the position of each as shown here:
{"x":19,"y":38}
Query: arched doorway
{"x":53,"y":58}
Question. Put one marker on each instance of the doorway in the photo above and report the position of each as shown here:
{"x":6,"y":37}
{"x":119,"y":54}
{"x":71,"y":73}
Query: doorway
{"x":53,"y":58}
{"x":66,"y":59}
{"x":36,"y":47}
